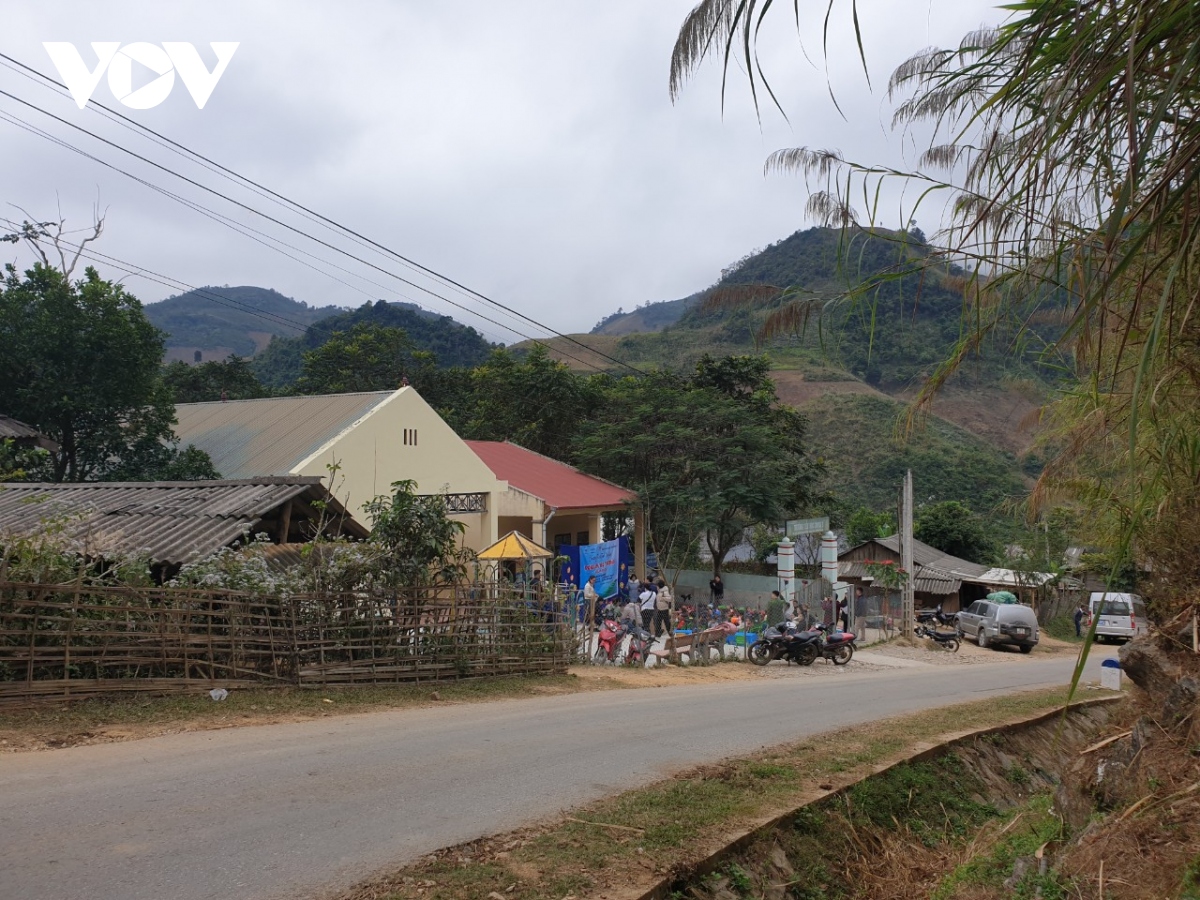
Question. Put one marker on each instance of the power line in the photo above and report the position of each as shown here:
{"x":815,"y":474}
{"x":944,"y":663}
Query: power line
{"x":310,"y":213}
{"x":176,"y":284}
{"x":250,"y":232}
{"x":244,"y":230}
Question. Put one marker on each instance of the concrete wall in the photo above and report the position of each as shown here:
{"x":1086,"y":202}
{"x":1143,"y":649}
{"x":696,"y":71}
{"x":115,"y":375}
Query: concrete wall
{"x":740,"y":590}
{"x":373,"y":453}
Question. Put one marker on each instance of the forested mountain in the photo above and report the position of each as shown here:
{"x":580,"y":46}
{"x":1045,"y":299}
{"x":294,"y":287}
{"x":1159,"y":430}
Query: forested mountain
{"x":451,"y":343}
{"x":219,"y":321}
{"x":891,"y":336}
{"x":855,"y":437}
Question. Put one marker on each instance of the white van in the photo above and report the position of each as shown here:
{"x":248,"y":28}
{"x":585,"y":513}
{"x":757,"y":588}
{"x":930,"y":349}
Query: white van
{"x":1122,"y":616}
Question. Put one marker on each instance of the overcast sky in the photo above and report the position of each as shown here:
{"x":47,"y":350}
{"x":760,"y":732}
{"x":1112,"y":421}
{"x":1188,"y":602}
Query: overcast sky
{"x":528,"y":150}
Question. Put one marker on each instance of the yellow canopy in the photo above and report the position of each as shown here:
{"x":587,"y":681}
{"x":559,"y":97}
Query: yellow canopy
{"x":515,"y":545}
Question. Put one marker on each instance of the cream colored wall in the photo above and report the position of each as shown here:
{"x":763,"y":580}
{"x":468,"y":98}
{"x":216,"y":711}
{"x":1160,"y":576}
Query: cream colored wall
{"x":518,"y":504}
{"x":574,"y":524}
{"x":372,"y":455}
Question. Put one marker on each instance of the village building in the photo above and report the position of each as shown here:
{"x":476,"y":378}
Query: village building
{"x":360,"y":444}
{"x":939,"y":577}
{"x":173,"y":523}
{"x":548,"y":501}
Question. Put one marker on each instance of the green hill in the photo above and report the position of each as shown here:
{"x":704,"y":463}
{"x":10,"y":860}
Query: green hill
{"x":892,"y":336}
{"x":453,"y":344}
{"x":855,"y":434}
{"x":221,"y":320}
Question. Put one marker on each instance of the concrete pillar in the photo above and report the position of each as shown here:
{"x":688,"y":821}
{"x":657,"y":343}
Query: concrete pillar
{"x":829,"y":554}
{"x":786,"y":570}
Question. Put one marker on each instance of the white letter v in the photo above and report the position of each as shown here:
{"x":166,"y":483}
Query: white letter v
{"x":198,"y":80}
{"x":80,"y":82}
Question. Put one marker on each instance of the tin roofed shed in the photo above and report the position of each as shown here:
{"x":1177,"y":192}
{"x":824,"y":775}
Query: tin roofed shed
{"x":174,"y":522}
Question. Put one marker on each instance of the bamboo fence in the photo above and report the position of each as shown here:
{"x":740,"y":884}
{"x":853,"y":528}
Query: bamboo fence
{"x":76,"y":640}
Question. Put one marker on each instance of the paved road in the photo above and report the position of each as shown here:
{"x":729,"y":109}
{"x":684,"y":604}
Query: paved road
{"x":297,"y":810}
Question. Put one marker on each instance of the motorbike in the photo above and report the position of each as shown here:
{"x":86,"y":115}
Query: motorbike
{"x":837,"y":647}
{"x":935,"y":617}
{"x":945,"y":639}
{"x":608,"y":645}
{"x":640,"y":642}
{"x":786,"y":641}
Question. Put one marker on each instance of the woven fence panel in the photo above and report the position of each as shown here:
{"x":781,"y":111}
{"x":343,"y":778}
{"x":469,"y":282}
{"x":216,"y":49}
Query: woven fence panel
{"x":68,"y":641}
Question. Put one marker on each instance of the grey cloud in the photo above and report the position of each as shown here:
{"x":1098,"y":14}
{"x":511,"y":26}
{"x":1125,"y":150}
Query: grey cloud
{"x":527,"y":149}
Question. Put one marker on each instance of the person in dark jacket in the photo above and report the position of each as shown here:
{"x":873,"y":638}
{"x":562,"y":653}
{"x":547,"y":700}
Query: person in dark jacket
{"x":716,"y":589}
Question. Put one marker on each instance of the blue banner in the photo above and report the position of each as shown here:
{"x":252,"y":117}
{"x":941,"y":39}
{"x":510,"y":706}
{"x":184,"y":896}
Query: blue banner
{"x":603,"y":561}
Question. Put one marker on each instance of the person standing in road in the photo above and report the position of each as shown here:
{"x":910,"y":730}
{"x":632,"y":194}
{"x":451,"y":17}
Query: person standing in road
{"x":1079,"y":614}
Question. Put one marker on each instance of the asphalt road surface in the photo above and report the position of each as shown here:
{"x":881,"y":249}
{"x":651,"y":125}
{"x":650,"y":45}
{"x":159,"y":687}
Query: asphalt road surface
{"x":303,"y":809}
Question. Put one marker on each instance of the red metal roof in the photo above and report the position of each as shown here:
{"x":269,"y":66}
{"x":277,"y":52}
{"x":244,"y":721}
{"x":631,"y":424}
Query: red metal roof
{"x":556,"y":483}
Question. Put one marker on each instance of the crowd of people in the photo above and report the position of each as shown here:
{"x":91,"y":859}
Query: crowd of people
{"x":651,"y":604}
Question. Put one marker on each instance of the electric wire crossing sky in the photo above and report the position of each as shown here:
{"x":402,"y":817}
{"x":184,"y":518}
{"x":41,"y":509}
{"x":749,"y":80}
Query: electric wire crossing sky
{"x":118,"y":60}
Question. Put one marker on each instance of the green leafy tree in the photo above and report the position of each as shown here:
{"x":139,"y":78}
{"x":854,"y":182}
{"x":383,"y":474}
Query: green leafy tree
{"x":18,"y":463}
{"x":365,"y":358}
{"x":82,"y":364}
{"x":951,"y":527}
{"x":229,"y":379}
{"x":709,"y":455}
{"x":529,"y":399}
{"x":864,"y":525}
{"x":418,"y":540}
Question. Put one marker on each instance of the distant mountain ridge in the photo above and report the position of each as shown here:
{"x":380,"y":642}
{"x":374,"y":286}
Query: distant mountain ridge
{"x":218,"y":321}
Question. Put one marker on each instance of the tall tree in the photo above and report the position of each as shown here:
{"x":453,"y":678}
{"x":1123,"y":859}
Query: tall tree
{"x":709,"y":455}
{"x":83,"y":365}
{"x":951,"y":527}
{"x":228,"y":379}
{"x":531,"y":400}
{"x":365,"y":358}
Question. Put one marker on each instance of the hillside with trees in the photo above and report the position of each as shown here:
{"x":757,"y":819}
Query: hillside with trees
{"x":219,"y":321}
{"x":281,"y":364}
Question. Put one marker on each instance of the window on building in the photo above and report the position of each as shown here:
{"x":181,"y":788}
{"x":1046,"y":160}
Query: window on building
{"x":410,"y":437}
{"x":562,"y":540}
{"x":581,"y":538}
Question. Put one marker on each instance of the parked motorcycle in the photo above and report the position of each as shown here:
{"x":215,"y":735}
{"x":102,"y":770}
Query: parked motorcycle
{"x":608,"y":645}
{"x":936,"y":617}
{"x":945,"y":639}
{"x":837,"y":647}
{"x":640,"y":642}
{"x":786,"y":641}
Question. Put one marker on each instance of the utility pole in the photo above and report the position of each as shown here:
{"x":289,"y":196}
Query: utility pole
{"x":906,"y":555}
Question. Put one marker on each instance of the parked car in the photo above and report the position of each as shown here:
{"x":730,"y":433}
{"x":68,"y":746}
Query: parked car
{"x":999,"y":623}
{"x":1122,"y":616}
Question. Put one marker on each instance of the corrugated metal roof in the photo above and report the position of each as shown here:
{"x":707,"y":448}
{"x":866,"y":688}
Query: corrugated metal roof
{"x":924,"y":555}
{"x":928,"y":580}
{"x":171,"y":522}
{"x":249,"y":438}
{"x":11,"y":429}
{"x":556,"y":483}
